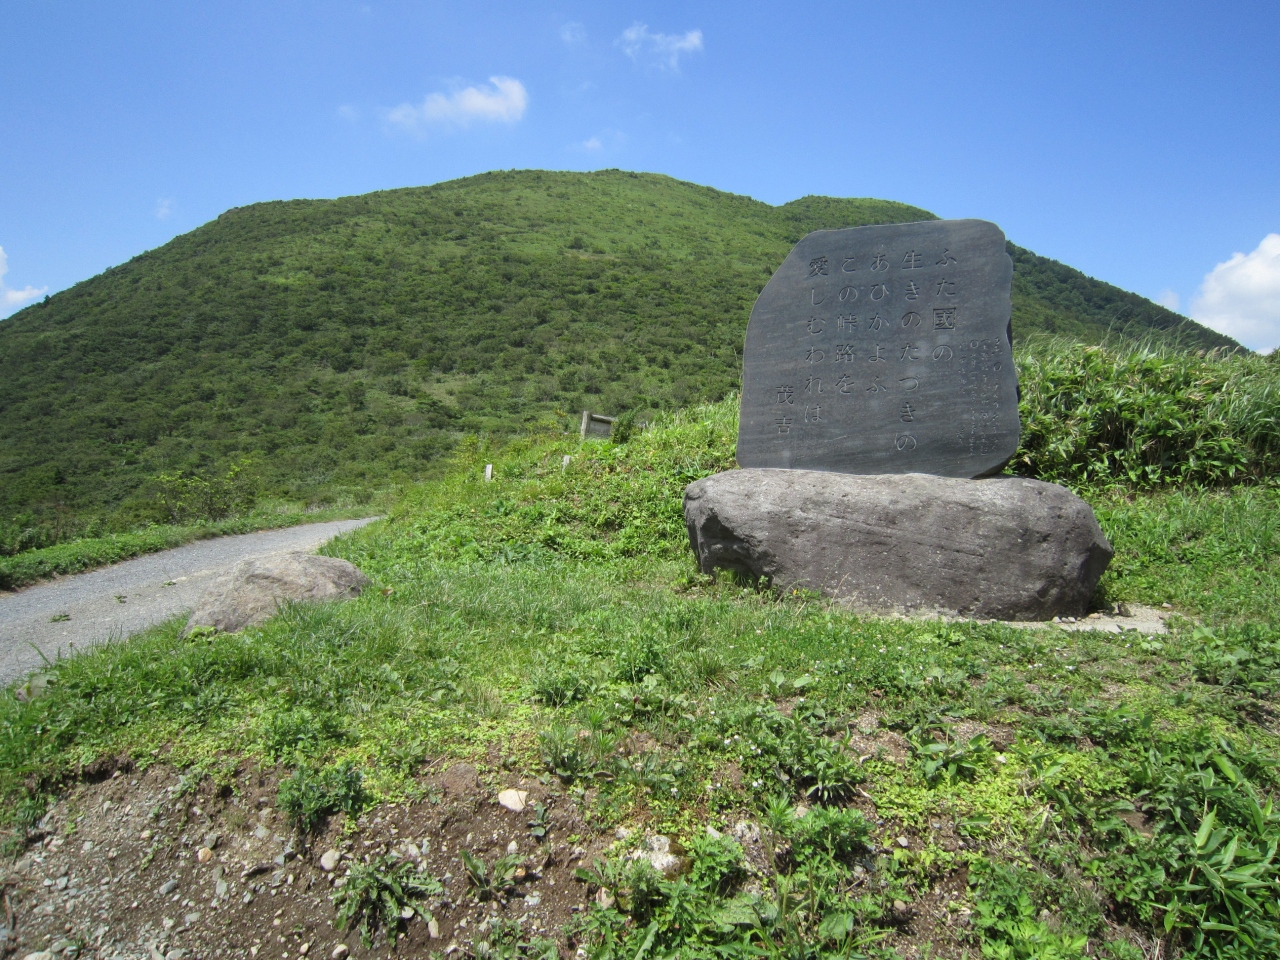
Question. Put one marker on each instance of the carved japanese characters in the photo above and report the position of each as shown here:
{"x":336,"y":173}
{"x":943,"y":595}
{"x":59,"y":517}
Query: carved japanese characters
{"x":884,"y":349}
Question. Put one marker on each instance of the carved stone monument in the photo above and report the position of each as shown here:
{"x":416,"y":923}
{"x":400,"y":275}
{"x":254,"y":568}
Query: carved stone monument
{"x":888,"y":350}
{"x":884,"y":349}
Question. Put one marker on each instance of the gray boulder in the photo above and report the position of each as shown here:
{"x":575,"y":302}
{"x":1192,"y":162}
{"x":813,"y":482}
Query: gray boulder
{"x":1001,"y":548}
{"x":253,"y":590}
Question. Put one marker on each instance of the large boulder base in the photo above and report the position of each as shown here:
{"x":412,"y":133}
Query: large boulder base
{"x":1001,"y":548}
{"x":253,"y":590}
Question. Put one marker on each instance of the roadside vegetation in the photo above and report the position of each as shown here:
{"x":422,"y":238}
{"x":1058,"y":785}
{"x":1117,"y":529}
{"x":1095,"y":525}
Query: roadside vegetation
{"x":190,"y":507}
{"x":88,"y":553}
{"x":872,"y":787}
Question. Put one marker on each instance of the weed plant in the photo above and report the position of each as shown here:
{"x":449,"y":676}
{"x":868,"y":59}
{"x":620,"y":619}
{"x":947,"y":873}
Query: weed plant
{"x":307,"y":795}
{"x":381,"y":895}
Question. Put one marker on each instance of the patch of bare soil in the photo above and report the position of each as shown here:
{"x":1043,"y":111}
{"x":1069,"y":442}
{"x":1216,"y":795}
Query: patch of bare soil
{"x":1123,"y":618}
{"x":134,"y":867}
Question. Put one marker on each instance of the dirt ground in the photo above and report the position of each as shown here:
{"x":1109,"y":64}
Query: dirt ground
{"x":116,"y":871}
{"x":133,"y":864}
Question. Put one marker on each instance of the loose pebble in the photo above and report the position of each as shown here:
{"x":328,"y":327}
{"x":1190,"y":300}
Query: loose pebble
{"x":513,"y":800}
{"x":339,"y":952}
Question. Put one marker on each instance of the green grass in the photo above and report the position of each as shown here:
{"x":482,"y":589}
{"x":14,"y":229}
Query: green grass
{"x":76,"y":556}
{"x":347,"y":344}
{"x":1120,"y":783}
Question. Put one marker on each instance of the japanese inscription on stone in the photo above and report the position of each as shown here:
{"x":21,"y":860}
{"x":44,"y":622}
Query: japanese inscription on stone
{"x":884,"y":349}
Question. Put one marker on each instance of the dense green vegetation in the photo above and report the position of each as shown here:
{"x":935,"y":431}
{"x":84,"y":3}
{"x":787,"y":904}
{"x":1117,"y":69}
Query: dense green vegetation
{"x":347,"y":343}
{"x":1072,"y":795}
{"x":1097,"y":417}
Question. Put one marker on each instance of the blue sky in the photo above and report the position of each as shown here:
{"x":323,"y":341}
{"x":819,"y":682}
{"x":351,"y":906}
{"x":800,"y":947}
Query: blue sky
{"x":1139,"y":142}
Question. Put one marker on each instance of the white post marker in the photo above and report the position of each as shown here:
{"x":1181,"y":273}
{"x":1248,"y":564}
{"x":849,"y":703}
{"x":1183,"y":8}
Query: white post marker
{"x":564,"y":464}
{"x":488,"y":472}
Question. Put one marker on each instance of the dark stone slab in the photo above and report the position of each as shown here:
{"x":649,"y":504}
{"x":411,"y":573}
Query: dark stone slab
{"x":884,"y":349}
{"x":1003,"y":548}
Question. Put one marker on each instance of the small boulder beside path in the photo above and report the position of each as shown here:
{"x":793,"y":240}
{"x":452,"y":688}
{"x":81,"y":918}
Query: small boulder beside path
{"x":253,"y":591}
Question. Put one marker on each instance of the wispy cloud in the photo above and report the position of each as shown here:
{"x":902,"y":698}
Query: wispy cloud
{"x":660,"y":49}
{"x":573,"y":33}
{"x":1241,"y":296}
{"x":606,"y":141}
{"x":1170,"y":300}
{"x":11,"y":300}
{"x":348,"y":113}
{"x":502,"y":101}
{"x":164,"y":207}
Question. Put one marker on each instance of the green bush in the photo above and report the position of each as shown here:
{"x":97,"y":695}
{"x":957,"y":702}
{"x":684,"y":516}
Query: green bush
{"x":189,"y":498}
{"x":307,"y":795}
{"x":1106,"y":416}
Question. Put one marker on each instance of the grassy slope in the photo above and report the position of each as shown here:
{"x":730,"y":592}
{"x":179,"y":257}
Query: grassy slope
{"x":346,"y":342}
{"x":551,"y":613}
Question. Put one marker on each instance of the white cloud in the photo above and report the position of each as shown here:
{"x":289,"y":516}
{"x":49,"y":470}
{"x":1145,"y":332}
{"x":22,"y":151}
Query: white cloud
{"x":573,"y":32}
{"x":607,"y":140}
{"x":1241,"y":296}
{"x":662,"y":49}
{"x":348,"y":113}
{"x":503,"y":102}
{"x":11,"y":300}
{"x":1170,"y":300}
{"x":164,"y":207}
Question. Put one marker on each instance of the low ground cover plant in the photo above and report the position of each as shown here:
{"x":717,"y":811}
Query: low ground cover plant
{"x":871,"y":786}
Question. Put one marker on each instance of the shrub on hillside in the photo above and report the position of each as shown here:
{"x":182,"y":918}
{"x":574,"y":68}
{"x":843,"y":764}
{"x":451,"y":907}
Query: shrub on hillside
{"x":188,"y":498}
{"x":1099,"y":416}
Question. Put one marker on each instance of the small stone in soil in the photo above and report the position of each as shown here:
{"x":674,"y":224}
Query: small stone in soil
{"x":513,"y":800}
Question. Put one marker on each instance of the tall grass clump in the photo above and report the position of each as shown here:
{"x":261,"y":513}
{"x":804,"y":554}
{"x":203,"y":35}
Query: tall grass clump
{"x":1147,"y":417}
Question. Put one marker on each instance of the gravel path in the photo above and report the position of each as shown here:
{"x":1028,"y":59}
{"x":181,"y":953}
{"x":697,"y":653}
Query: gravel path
{"x":114,"y":602}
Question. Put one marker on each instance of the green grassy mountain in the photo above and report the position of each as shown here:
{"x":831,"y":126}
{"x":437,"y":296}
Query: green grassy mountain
{"x":345,"y":343}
